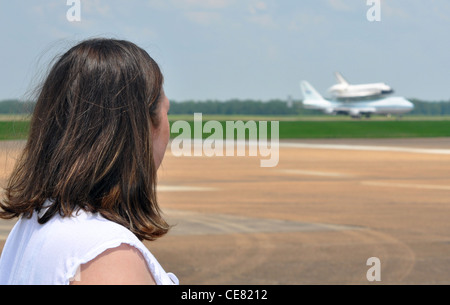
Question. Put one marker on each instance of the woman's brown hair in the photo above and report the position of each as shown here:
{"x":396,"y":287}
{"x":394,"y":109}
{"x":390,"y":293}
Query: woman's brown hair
{"x":90,"y":145}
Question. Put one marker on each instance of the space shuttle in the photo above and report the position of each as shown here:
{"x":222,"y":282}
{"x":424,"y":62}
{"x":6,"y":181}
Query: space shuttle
{"x":356,"y":107}
{"x":345,"y":90}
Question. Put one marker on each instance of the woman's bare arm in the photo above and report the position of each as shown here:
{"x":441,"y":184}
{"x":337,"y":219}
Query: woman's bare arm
{"x":123,"y":265}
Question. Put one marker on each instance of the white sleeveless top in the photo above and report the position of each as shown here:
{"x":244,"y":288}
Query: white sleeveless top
{"x":51,"y":254}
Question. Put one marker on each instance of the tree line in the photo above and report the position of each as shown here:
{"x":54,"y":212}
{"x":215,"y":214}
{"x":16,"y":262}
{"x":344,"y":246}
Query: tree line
{"x":283,"y":107}
{"x":16,"y":107}
{"x":244,"y":107}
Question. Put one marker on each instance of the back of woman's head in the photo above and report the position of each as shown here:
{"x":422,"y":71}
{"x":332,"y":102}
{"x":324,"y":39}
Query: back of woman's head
{"x":90,"y":143}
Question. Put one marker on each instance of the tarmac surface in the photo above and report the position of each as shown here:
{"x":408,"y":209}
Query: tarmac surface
{"x":315,"y":218}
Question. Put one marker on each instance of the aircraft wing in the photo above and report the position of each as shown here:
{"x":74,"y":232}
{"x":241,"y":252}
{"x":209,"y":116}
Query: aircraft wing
{"x":356,"y":111}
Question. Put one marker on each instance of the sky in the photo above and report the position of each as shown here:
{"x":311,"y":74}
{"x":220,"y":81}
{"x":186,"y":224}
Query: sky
{"x":244,"y":49}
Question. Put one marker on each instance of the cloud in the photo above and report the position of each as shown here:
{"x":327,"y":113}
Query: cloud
{"x":263,"y":20}
{"x":96,"y":7}
{"x":441,"y":9}
{"x":203,"y":4}
{"x":304,"y":21}
{"x":203,"y":18}
{"x":257,"y":7}
{"x":200,"y":12}
{"x":341,"y":5}
{"x":259,"y":15}
{"x":191,"y":4}
{"x":390,"y":10}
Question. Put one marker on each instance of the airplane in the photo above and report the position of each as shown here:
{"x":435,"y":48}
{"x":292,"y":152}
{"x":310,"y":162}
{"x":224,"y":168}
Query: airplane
{"x":344,"y":90}
{"x":385,"y":106}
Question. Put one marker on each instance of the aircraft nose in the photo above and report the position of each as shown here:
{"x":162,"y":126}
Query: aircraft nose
{"x":409,"y":105}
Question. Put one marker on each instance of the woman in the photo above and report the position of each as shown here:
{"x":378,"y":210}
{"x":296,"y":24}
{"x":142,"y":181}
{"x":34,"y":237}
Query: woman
{"x":85,"y":186}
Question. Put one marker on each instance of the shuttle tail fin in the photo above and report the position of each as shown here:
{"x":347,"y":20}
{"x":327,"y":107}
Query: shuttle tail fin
{"x":340,"y":78}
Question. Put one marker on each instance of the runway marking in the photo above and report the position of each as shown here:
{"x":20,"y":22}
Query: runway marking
{"x":407,"y":185}
{"x":314,"y":173}
{"x":194,"y":223}
{"x":180,"y":188}
{"x":367,"y":148}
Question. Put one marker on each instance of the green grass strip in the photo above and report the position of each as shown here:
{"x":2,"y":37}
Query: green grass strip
{"x":15,"y":130}
{"x":353,"y":129}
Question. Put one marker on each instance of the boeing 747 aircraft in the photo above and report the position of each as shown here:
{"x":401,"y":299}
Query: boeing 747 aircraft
{"x":344,"y":90}
{"x":385,"y":106}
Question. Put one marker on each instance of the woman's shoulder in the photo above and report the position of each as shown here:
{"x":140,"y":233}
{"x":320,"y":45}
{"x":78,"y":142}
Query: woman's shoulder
{"x":84,"y":228}
{"x":55,"y":251}
{"x":98,"y":242}
{"x":86,"y":234}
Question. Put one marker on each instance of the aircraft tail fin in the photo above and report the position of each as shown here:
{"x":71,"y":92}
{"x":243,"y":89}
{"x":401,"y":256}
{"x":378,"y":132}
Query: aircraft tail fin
{"x":340,"y":78}
{"x":309,"y":93}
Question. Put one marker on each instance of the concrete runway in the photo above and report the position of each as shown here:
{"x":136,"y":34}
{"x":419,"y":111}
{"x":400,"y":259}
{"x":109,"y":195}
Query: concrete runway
{"x":316,"y":218}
